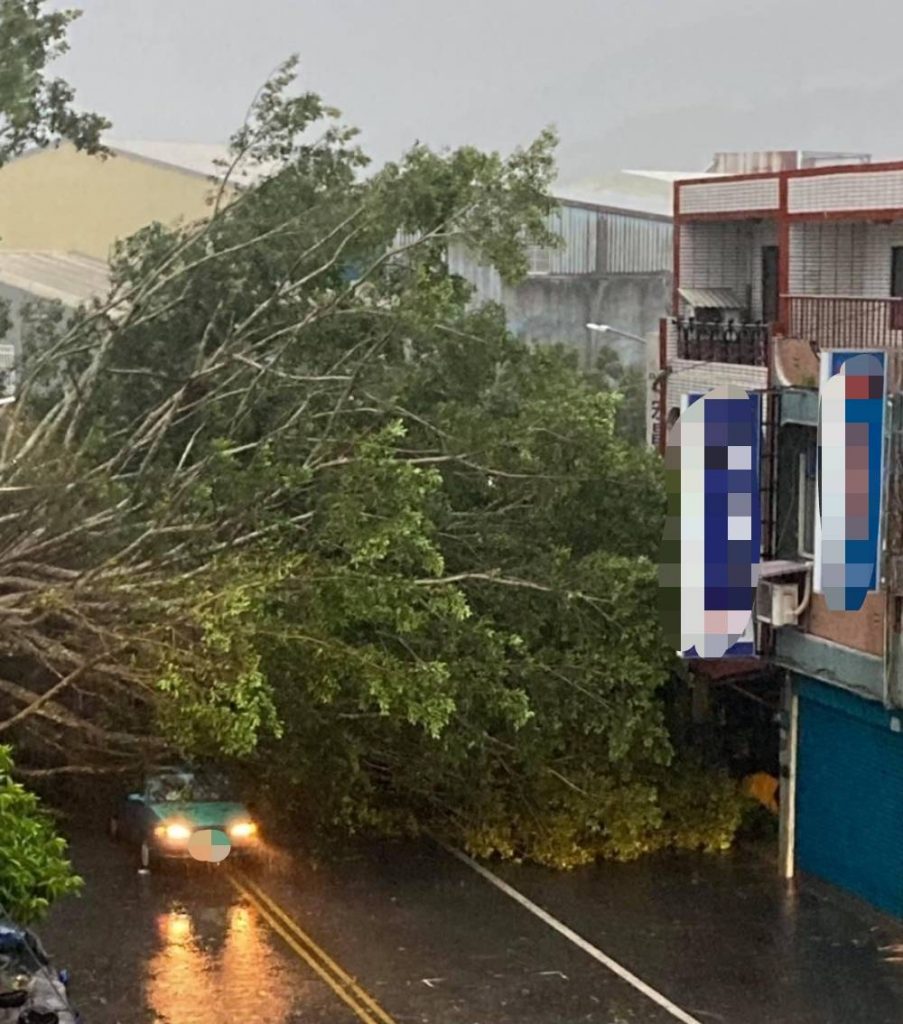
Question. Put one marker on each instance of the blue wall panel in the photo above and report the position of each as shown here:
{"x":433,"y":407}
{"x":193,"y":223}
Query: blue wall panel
{"x":849,"y":810}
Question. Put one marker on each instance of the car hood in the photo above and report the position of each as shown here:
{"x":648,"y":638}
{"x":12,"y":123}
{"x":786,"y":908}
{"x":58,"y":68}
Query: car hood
{"x":202,"y":813}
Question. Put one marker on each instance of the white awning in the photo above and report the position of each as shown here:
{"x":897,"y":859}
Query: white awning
{"x":711,"y":298}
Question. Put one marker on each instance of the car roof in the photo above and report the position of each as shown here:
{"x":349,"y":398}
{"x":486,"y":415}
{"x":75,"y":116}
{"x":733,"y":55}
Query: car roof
{"x":14,"y":936}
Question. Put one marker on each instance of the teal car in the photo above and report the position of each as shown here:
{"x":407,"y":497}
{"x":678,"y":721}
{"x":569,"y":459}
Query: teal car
{"x":174,"y":804}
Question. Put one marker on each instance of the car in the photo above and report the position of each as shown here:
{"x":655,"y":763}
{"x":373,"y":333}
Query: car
{"x":31,"y":992}
{"x":174,"y":803}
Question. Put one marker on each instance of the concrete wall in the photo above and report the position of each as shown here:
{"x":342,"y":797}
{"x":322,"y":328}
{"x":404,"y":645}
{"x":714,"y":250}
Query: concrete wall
{"x":61,"y":199}
{"x":555,"y":309}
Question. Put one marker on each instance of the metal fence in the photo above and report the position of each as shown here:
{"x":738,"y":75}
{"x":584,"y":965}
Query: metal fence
{"x":842,"y":321}
{"x":746,"y":344}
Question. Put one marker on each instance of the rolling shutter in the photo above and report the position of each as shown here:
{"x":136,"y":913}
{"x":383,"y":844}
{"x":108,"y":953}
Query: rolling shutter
{"x":850,"y":794}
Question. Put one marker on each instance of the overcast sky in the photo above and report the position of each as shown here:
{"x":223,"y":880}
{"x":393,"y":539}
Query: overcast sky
{"x":628,"y":83}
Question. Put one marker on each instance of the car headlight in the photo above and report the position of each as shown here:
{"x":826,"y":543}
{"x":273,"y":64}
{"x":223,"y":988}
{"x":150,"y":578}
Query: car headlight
{"x":243,"y":830}
{"x":174,"y":832}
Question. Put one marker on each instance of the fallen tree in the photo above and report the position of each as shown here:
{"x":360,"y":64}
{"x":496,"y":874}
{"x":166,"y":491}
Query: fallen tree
{"x":285,"y":496}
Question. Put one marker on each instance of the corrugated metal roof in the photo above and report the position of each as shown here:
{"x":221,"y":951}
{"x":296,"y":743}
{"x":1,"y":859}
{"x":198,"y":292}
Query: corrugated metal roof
{"x":646,"y":192}
{"x":196,"y":157}
{"x":711,"y":298}
{"x":67,"y":277}
{"x":673,"y":176}
{"x":619,"y":190}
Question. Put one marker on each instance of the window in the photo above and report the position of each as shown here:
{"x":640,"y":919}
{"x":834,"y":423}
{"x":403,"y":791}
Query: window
{"x":806,"y":511}
{"x":539,"y":260}
{"x":771,"y":290}
{"x":896,"y":271}
{"x":896,"y":286}
{"x":174,"y":787}
{"x":709,"y":315}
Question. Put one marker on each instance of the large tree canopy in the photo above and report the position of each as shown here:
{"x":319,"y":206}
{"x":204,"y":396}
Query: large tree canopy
{"x":286,"y":496}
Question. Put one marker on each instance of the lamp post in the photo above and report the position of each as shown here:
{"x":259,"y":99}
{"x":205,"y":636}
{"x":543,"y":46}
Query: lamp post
{"x":656,"y":379}
{"x":607,"y":329}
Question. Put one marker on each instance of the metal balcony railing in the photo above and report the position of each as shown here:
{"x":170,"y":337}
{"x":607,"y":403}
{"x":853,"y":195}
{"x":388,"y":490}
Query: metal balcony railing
{"x":731,"y":342}
{"x":845,"y":321}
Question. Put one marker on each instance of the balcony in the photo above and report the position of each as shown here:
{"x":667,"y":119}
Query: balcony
{"x":845,"y":321}
{"x":744,"y":344}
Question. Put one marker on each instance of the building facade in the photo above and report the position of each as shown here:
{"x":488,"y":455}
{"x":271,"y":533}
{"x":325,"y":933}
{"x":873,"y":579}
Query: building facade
{"x":63,"y":211}
{"x":614,"y":267}
{"x":772,"y":270}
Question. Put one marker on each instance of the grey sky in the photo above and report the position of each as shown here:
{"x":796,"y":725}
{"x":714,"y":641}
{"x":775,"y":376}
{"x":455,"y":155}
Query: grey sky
{"x":628,"y":83}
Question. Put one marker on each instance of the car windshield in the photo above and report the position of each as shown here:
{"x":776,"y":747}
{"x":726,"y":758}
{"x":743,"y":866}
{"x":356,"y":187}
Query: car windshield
{"x":179,"y":786}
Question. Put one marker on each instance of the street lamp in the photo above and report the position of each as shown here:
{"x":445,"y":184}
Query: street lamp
{"x":606,"y":329}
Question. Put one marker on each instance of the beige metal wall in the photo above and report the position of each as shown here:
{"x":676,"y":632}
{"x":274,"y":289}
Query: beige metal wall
{"x":64,"y":200}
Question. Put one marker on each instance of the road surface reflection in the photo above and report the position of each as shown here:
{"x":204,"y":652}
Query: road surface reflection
{"x":207,"y":967}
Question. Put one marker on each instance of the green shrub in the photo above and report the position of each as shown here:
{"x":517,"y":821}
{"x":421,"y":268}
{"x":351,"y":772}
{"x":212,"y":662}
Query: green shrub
{"x":34,"y":869}
{"x":688,"y":807}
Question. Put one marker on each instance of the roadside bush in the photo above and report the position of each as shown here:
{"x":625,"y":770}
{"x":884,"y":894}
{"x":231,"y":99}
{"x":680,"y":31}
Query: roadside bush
{"x":34,"y":869}
{"x":702,"y":809}
{"x":687,"y":808}
{"x":758,"y":824}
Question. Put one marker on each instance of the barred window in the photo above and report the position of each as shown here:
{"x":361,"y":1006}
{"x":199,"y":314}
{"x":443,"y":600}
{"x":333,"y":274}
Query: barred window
{"x":539,"y":260}
{"x":806,"y":509}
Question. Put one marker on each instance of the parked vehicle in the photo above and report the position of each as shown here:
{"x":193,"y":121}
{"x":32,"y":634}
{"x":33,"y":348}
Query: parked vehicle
{"x":31,"y":991}
{"x":172,"y":805}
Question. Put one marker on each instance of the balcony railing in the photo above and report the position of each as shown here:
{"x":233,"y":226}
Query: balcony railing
{"x":845,"y":321}
{"x":730,"y":342}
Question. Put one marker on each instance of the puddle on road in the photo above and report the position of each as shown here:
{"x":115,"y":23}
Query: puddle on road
{"x":204,"y":968}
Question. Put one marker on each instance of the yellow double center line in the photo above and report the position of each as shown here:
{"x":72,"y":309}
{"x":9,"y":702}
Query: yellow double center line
{"x":345,"y":987}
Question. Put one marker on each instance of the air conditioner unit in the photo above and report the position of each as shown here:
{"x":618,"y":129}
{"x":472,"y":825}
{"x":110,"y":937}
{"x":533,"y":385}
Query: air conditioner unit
{"x":776,"y":603}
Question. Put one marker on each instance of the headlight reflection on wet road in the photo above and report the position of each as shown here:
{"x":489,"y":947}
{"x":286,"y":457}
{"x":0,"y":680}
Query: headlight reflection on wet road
{"x":194,"y":975}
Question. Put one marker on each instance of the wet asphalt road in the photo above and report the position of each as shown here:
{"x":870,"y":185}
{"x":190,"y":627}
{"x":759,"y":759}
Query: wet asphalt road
{"x":430,"y":941}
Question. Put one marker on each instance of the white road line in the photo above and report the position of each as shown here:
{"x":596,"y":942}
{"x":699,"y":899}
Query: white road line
{"x":572,"y":936}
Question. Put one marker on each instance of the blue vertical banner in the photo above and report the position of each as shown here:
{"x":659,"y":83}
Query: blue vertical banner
{"x":850,"y":477}
{"x":711,"y":547}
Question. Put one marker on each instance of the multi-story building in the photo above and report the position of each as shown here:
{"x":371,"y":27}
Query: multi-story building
{"x":771,"y":269}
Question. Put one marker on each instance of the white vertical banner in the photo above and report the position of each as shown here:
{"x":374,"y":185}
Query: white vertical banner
{"x":849,"y":490}
{"x":824,"y":375}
